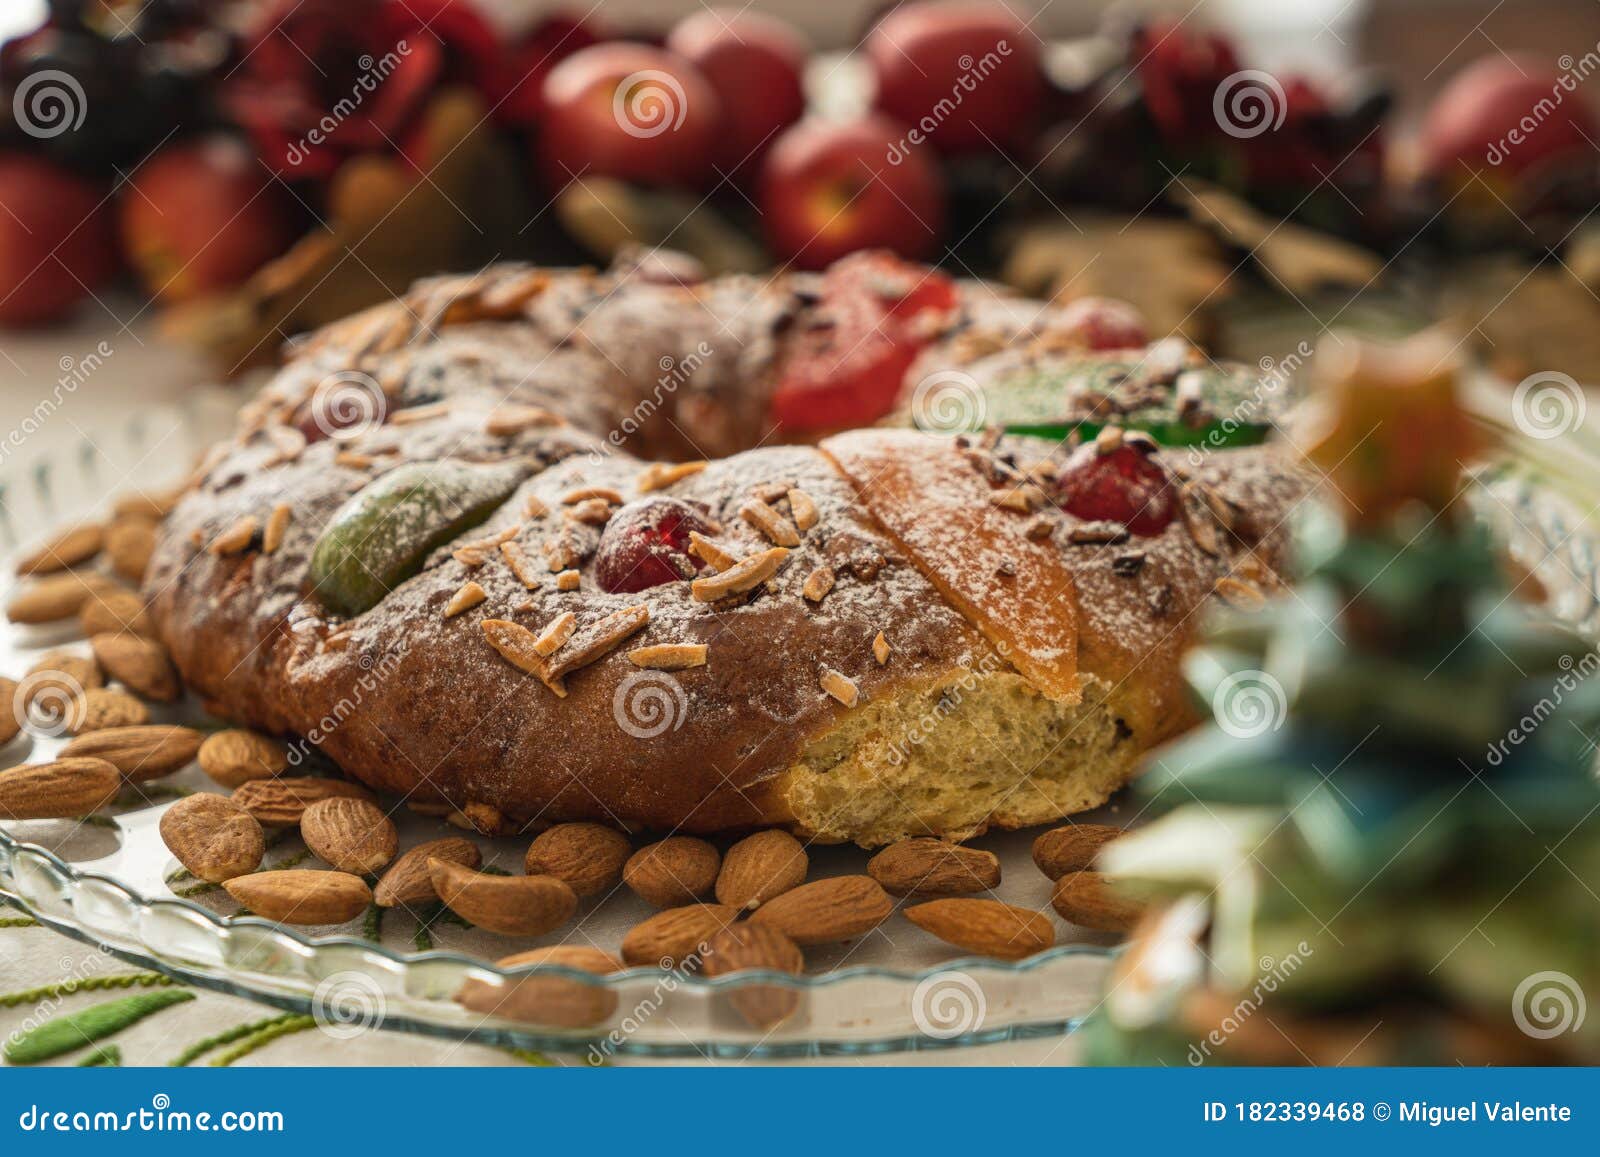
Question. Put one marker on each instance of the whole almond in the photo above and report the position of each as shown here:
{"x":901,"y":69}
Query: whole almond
{"x":1071,"y":848}
{"x":986,"y":927}
{"x":59,"y":676}
{"x":12,"y":710}
{"x":139,"y":753}
{"x":589,"y":857}
{"x":407,"y":883}
{"x":677,"y":870}
{"x":101,"y":707}
{"x":509,"y":905}
{"x":281,"y":802}
{"x":55,"y":597}
{"x":925,"y":867}
{"x":352,"y":835}
{"x":153,"y":505}
{"x":676,"y":936}
{"x":557,"y":1001}
{"x":759,"y":867}
{"x":213,"y":837}
{"x":62,"y":789}
{"x":236,"y":757}
{"x":746,"y":947}
{"x":825,"y":911}
{"x":115,"y":612}
{"x":70,"y":547}
{"x":302,"y":895}
{"x":140,"y":664}
{"x":1088,"y":899}
{"x":129,"y":544}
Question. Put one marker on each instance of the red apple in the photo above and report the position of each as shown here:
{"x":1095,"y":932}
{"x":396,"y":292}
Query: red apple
{"x":830,"y":189}
{"x":202,"y":216}
{"x":628,"y":111}
{"x":755,"y":64}
{"x":56,"y":241}
{"x":966,"y":76}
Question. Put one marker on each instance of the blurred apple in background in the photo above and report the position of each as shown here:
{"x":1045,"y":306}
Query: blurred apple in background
{"x":830,"y":189}
{"x":628,"y":111}
{"x":755,"y":63}
{"x":968,"y":75}
{"x":1104,"y":323}
{"x":56,"y":240}
{"x":202,"y":216}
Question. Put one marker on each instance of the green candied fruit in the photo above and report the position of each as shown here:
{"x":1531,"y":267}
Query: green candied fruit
{"x":384,"y":533}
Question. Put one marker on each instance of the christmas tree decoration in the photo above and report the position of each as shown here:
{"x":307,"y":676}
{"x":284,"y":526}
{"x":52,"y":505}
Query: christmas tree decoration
{"x":1381,"y":851}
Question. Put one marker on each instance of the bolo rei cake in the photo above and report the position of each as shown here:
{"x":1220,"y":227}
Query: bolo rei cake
{"x":673,"y":553}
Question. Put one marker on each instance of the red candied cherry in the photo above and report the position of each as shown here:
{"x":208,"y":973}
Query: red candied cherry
{"x":1104,"y":323}
{"x":1122,"y":484}
{"x":646,"y":543}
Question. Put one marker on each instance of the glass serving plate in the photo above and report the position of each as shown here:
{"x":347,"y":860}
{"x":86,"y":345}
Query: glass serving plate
{"x":110,"y":881}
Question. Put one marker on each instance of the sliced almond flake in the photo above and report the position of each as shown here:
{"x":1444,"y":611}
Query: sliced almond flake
{"x":818,"y":583}
{"x":769,"y":522}
{"x":595,"y":641}
{"x":1244,"y":596}
{"x":509,"y":420}
{"x":1108,"y":439}
{"x":660,"y":475}
{"x":709,"y":552}
{"x":555,"y":635}
{"x":515,"y":643}
{"x":585,"y":493}
{"x":560,"y":553}
{"x":591,"y":511}
{"x":277,"y":523}
{"x":1023,"y":499}
{"x":353,"y":460}
{"x":510,"y":296}
{"x":469,"y":596}
{"x":1099,"y":533}
{"x":568,"y":580}
{"x":469,"y":556}
{"x":1199,"y":521}
{"x":521,"y":563}
{"x":415,"y":414}
{"x":483,"y":546}
{"x":669,"y":656}
{"x":841,"y":687}
{"x":237,"y":537}
{"x":1041,"y":527}
{"x":1221,"y":509}
{"x":803,"y":508}
{"x":535,"y":507}
{"x":880,"y":649}
{"x":287,"y":444}
{"x":743,"y":575}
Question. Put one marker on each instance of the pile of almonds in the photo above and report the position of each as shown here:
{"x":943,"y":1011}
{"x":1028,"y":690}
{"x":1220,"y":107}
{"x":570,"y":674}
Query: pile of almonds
{"x":750,"y":907}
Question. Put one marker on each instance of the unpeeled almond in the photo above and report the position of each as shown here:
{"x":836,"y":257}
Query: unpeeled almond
{"x":139,"y":753}
{"x":129,"y":544}
{"x":213,"y":837}
{"x":352,"y":835}
{"x":55,"y":597}
{"x":925,"y":867}
{"x":509,"y":905}
{"x":1071,"y":848}
{"x":1089,"y":899}
{"x":986,"y":927}
{"x":755,"y":947}
{"x":302,"y":895}
{"x":101,"y":707}
{"x":826,"y":911}
{"x":281,"y":802}
{"x":61,"y":789}
{"x":235,"y":757}
{"x":557,"y":1001}
{"x":140,"y":664}
{"x":677,"y":870}
{"x":761,"y":867}
{"x":115,"y":612}
{"x":76,"y":544}
{"x":589,"y":857}
{"x":676,"y":936}
{"x":407,"y":882}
